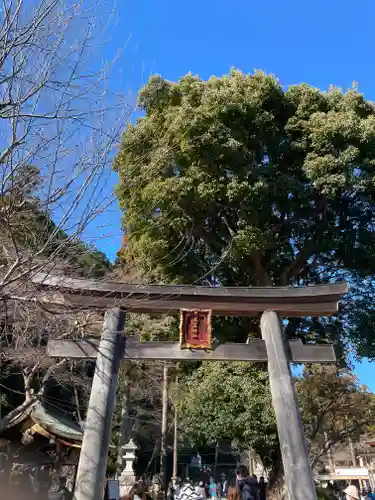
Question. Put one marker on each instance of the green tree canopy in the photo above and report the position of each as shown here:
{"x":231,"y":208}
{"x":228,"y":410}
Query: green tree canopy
{"x":237,"y":181}
{"x":232,"y":402}
{"x":229,"y":402}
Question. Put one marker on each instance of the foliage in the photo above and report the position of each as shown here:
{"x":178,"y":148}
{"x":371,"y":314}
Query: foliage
{"x":153,"y":327}
{"x":237,"y":181}
{"x":231,"y":402}
{"x":139,"y":414}
{"x":86,"y":261}
{"x":31,"y":230}
{"x":324,"y":494}
{"x":334,"y":406}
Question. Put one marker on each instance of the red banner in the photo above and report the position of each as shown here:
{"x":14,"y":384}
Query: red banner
{"x":195,"y":329}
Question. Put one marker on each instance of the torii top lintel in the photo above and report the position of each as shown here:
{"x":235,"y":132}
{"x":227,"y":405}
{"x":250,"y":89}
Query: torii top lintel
{"x":316,"y":300}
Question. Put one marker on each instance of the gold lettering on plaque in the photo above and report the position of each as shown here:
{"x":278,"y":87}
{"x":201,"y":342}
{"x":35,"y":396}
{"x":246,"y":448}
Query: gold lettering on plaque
{"x":195,"y":325}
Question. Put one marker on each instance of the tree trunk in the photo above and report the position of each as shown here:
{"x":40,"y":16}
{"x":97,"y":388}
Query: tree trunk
{"x":278,"y":491}
{"x":276,"y":483}
{"x":5,"y":421}
{"x":126,"y":427}
{"x":164,"y":431}
{"x":175,"y":444}
{"x":30,"y":397}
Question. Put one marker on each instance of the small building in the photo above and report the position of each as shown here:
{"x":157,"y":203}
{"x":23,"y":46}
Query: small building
{"x":349,"y":462}
{"x":40,"y":440}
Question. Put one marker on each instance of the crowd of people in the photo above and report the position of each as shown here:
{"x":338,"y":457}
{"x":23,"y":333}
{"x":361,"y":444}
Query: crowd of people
{"x":351,"y":492}
{"x":243,"y":487}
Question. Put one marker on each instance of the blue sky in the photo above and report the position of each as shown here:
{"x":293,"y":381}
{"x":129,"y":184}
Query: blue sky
{"x":322,"y":43}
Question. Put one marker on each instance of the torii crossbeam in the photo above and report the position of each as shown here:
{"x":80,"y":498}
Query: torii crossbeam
{"x":268,"y":302}
{"x":318,"y":300}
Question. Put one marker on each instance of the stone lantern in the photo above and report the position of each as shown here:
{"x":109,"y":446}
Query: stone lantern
{"x":127,"y":477}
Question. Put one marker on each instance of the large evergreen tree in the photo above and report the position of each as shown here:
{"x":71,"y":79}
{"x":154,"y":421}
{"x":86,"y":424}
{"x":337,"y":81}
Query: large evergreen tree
{"x":238,"y":181}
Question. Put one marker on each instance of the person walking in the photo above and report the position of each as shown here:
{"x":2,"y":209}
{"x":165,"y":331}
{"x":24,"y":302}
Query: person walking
{"x":58,"y":490}
{"x":351,"y":492}
{"x":201,"y":490}
{"x":247,"y":485}
{"x":219,"y":490}
{"x":233,"y":492}
{"x":170,"y":491}
{"x":225,"y":487}
{"x":262,"y":488}
{"x":187,"y":492}
{"x":212,"y":488}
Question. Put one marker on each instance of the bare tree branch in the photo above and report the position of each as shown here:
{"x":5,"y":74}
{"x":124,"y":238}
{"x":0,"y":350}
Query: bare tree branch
{"x":60,"y":122}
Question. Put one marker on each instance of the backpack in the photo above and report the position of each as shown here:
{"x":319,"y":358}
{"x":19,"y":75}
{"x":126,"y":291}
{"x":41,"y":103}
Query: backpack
{"x":249,"y":491}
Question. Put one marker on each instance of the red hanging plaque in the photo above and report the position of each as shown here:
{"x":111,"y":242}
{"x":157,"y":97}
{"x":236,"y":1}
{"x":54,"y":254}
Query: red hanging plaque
{"x":195,"y":329}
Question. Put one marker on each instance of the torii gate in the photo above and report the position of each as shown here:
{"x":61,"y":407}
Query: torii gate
{"x":269,"y":302}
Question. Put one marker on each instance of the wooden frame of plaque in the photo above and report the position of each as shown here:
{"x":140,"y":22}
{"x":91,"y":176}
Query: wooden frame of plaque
{"x":195,"y":329}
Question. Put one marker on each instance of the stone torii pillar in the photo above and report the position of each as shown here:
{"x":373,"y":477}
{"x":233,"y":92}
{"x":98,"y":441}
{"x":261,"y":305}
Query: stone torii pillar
{"x":92,"y":466}
{"x":298,"y":474}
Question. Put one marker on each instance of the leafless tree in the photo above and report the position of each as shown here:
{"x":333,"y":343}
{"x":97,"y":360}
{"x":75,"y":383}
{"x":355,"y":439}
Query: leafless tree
{"x":335,"y":409}
{"x":60,"y":121}
{"x":23,"y":355}
{"x":59,"y":124}
{"x":139,"y":411}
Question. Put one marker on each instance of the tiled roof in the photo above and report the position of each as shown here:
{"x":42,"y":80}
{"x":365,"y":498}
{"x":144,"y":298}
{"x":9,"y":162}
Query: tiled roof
{"x":56,"y":423}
